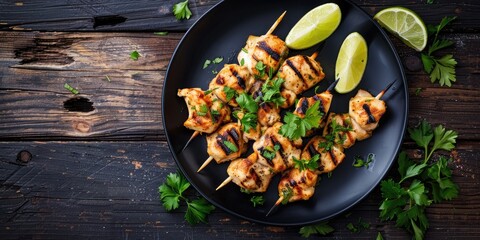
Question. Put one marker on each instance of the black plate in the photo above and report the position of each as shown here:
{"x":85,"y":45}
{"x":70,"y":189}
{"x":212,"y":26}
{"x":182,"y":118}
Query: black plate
{"x":222,"y":31}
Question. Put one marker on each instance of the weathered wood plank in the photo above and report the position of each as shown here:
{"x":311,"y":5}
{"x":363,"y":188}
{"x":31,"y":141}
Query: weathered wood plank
{"x":109,"y":189}
{"x":35,"y":66}
{"x":144,"y":15}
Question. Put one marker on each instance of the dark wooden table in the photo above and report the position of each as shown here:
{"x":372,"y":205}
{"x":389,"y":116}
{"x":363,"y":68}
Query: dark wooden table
{"x":98,"y":160}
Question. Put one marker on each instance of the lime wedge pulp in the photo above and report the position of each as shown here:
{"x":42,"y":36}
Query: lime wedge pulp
{"x":351,"y":62}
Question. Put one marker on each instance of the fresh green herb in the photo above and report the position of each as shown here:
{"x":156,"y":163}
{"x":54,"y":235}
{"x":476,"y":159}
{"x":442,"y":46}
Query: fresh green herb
{"x":134,"y":55}
{"x":257,"y":200}
{"x":214,"y":72}
{"x":329,"y":174}
{"x":360,"y":162}
{"x":161,"y":33}
{"x":316,"y":89}
{"x":418,"y":91}
{"x":287,"y":193}
{"x":334,"y":136}
{"x":428,"y":182}
{"x":304,"y":164}
{"x":242,"y":62}
{"x":210,"y":91}
{"x":270,"y":153}
{"x":260,"y":68}
{"x":229,"y":93}
{"x":271,"y":92}
{"x":246,"y":191}
{"x":203,"y":110}
{"x":440,"y":69}
{"x":244,"y":50}
{"x":107,"y":77}
{"x":171,"y":192}
{"x":379,"y":236}
{"x":321,"y":229}
{"x":181,"y":10}
{"x":217,"y":60}
{"x":232,"y":147}
{"x":71,"y":89}
{"x":249,"y":110}
{"x":359,"y":226}
{"x":430,"y":1}
{"x":206,"y":63}
{"x":296,"y":127}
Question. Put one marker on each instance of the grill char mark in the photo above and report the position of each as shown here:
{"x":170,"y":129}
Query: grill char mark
{"x":310,"y":64}
{"x":264,"y":46}
{"x":371,"y":118}
{"x":297,"y":72}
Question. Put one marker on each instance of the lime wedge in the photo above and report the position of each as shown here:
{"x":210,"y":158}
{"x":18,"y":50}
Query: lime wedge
{"x":351,"y":62}
{"x":405,"y":24}
{"x":314,"y":27}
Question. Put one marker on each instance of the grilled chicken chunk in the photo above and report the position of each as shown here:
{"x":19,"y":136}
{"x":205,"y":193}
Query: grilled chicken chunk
{"x":205,"y":111}
{"x":297,"y":185}
{"x":250,"y":174}
{"x":275,"y":150}
{"x":366,"y":110}
{"x":252,"y":133}
{"x":331,"y":155}
{"x":305,"y":103}
{"x":267,"y":114}
{"x":341,"y":124}
{"x":226,"y":143}
{"x":268,"y":49}
{"x":234,"y":78}
{"x":300,"y":73}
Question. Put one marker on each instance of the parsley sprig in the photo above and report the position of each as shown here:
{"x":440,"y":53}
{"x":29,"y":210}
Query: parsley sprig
{"x":321,"y":229}
{"x":304,"y":164}
{"x":271,"y":92}
{"x":334,"y":136}
{"x":181,"y":10}
{"x":296,"y":127}
{"x":406,"y":201}
{"x":249,"y":110}
{"x":440,"y":69}
{"x":171,"y":192}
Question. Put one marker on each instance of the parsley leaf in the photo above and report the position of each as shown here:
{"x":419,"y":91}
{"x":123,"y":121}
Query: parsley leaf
{"x":198,"y":210}
{"x":70,"y":88}
{"x":271,"y":91}
{"x":440,"y":69}
{"x":260,"y":68}
{"x":333,"y":137}
{"x":296,"y":127}
{"x":303,"y":164}
{"x":181,"y":10}
{"x":287,"y":193}
{"x":171,"y":192}
{"x":246,"y":101}
{"x":134,"y":55}
{"x":249,"y":110}
{"x":322,"y":229}
{"x":206,"y":63}
{"x":229,"y":93}
{"x":430,"y":183}
{"x":230,"y":146}
{"x":257,"y":200}
{"x":359,"y":162}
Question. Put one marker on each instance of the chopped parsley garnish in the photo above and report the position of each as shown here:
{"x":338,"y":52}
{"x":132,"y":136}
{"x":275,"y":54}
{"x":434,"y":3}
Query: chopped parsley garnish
{"x":334,"y":137}
{"x":216,"y":60}
{"x":249,"y":110}
{"x":260,"y":68}
{"x":71,"y":89}
{"x":303,"y":164}
{"x":181,"y":10}
{"x":244,"y":50}
{"x":206,"y":63}
{"x":203,"y":111}
{"x":287,"y":193}
{"x":230,"y":146}
{"x":242,"y":62}
{"x":270,"y":153}
{"x":360,"y":162}
{"x":134,"y":55}
{"x":161,"y":33}
{"x":257,"y":200}
{"x":296,"y":127}
{"x":271,"y":92}
{"x":229,"y":93}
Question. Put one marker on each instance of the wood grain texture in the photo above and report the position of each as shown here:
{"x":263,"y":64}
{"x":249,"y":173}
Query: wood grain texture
{"x":109,"y":189}
{"x":144,"y":15}
{"x":36,"y":65}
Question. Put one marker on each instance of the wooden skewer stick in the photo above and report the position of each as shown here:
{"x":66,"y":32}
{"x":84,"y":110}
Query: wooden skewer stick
{"x":380,"y":95}
{"x":209,"y":159}
{"x":274,"y":207}
{"x":330,"y":88}
{"x":275,"y":24}
{"x":225,"y":182}
{"x":314,"y":55}
{"x":195,"y":134}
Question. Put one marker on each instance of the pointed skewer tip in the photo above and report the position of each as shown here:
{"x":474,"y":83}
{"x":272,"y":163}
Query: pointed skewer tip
{"x":209,"y":159}
{"x":195,"y":134}
{"x":332,"y":86}
{"x":225,"y":182}
{"x":380,"y":95}
{"x":275,"y":24}
{"x":275,"y":207}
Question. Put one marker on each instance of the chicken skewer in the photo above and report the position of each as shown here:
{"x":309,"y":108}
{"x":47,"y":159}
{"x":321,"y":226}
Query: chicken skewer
{"x":253,"y":42}
{"x":299,"y":184}
{"x":241,"y":170}
{"x":225,"y":144}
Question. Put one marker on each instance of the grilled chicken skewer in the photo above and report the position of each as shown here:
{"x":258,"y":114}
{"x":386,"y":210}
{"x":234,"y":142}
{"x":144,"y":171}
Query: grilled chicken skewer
{"x":225,"y":144}
{"x":299,"y":184}
{"x":268,"y":51}
{"x":274,"y":152}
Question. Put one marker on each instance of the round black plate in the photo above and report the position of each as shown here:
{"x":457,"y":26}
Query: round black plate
{"x":222,"y":31}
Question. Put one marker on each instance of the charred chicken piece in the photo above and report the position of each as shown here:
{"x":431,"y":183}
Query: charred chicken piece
{"x":226,"y":143}
{"x":250,"y":174}
{"x":366,"y":110}
{"x":344,"y":132}
{"x":300,"y":73}
{"x":205,"y":111}
{"x":231,"y":79}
